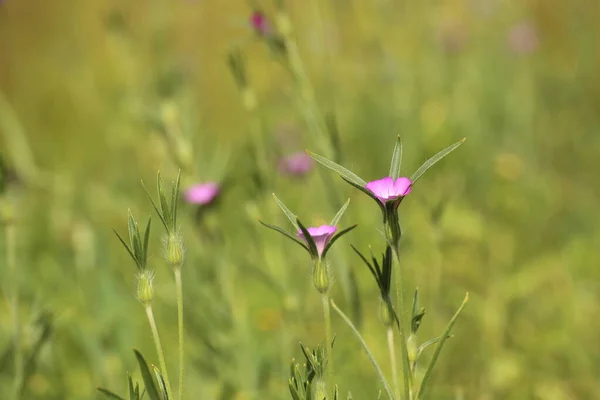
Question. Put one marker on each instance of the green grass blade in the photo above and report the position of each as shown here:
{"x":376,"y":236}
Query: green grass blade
{"x":158,"y":212}
{"x":396,"y":159}
{"x":343,"y":172}
{"x":439,"y":346}
{"x":384,"y":382}
{"x":433,"y":160}
{"x":109,"y":394}
{"x":161,"y":383}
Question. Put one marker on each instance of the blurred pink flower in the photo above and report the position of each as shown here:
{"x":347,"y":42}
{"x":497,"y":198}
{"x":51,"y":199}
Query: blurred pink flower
{"x":203,"y":193}
{"x":453,"y":38}
{"x":321,"y":235}
{"x":260,"y":23}
{"x":297,"y":164}
{"x":523,"y":38}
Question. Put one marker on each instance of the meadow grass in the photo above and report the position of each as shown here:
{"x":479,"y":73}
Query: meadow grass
{"x":98,"y":96}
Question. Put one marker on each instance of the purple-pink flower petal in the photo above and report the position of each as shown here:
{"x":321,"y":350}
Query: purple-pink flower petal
{"x":321,"y":235}
{"x":388,"y":189}
{"x":259,"y":23}
{"x":297,"y":164}
{"x":203,"y":193}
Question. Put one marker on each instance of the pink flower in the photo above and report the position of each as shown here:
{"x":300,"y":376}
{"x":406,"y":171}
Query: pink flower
{"x":260,"y":23}
{"x":297,"y":164}
{"x":321,"y":235}
{"x":523,"y":38}
{"x":203,"y":193}
{"x":388,"y":189}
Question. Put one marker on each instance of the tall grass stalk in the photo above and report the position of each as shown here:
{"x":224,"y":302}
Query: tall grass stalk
{"x":177,"y":272}
{"x":159,"y":350}
{"x":384,"y":382}
{"x":393,"y":362}
{"x":11,"y":262}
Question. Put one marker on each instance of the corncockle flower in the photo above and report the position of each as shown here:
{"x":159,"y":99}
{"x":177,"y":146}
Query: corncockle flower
{"x":321,"y":236}
{"x":389,"y":189}
{"x":315,"y":240}
{"x":297,"y":164}
{"x":260,"y":23}
{"x":203,"y":193}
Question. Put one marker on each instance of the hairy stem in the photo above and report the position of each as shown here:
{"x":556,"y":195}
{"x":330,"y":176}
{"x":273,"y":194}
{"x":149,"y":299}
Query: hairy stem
{"x":393,"y":362}
{"x":406,"y":372}
{"x":180,"y":327}
{"x":159,"y":350}
{"x":327,"y":316}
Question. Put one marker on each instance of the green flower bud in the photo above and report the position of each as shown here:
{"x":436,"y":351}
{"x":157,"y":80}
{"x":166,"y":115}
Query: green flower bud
{"x":319,"y":389}
{"x":387,"y":314}
{"x":145,"y":290}
{"x":321,"y":276}
{"x":174,"y":251}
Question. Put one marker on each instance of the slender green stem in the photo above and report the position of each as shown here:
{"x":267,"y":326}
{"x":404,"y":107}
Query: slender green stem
{"x":11,"y":261}
{"x":439,"y":346}
{"x":384,"y":382}
{"x":393,"y":362}
{"x":159,"y":350}
{"x":328,"y":337}
{"x":180,"y":327}
{"x":406,"y":372}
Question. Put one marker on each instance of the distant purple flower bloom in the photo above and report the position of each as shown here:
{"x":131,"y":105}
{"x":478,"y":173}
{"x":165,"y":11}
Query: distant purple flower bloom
{"x":297,"y":164}
{"x":523,"y":38}
{"x":321,"y":235}
{"x":203,"y":193}
{"x":260,"y":23}
{"x":388,"y":189}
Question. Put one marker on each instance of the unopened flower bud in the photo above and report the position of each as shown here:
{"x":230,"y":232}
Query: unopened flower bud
{"x":387,"y":314}
{"x":145,"y":290}
{"x":319,"y":389}
{"x":174,"y":250}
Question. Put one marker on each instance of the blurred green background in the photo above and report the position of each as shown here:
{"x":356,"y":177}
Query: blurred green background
{"x":96,"y":95}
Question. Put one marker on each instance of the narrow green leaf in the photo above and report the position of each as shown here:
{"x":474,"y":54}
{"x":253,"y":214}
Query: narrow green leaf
{"x":374,"y":272}
{"x":439,"y":346}
{"x":384,"y":382}
{"x":146,"y":240}
{"x":312,"y":247}
{"x":175,"y":200}
{"x":162,"y":200}
{"x":336,"y":237}
{"x":286,"y":234}
{"x":134,"y":238}
{"x":339,"y":214}
{"x":368,"y":193}
{"x":396,"y":159}
{"x":127,"y":248}
{"x":158,"y":212}
{"x":290,"y":215}
{"x":343,"y":172}
{"x":433,"y":160}
{"x":161,"y":383}
{"x":147,"y":377}
{"x":109,"y":394}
